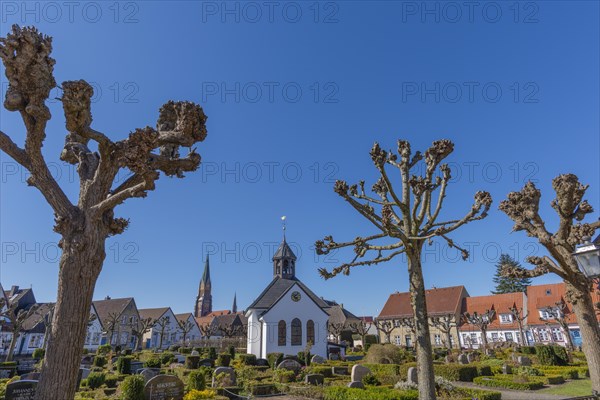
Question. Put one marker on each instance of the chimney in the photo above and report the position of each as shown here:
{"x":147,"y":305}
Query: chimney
{"x":107,"y":298}
{"x":13,"y":290}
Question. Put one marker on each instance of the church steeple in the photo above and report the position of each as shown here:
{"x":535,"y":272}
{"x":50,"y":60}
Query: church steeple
{"x":284,"y":262}
{"x":234,"y":308}
{"x":204,"y":298}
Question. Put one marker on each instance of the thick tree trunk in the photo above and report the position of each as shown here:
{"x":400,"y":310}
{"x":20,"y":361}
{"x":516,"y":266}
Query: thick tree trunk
{"x":484,"y":341}
{"x":449,"y":339}
{"x":423,"y":341}
{"x":80,"y":265}
{"x":590,"y":332}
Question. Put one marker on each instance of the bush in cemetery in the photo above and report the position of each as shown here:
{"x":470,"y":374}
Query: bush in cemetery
{"x":191,"y":362}
{"x":231,"y":350}
{"x":111,"y":381}
{"x":132,"y":388}
{"x":201,"y":395}
{"x":153,"y":363}
{"x":95,"y":379}
{"x":185,"y":350}
{"x":38,"y":354}
{"x":174,"y":347}
{"x":167,"y":358}
{"x":223,"y":360}
{"x":547,"y":355}
{"x":103,"y":349}
{"x":124,"y":365}
{"x":196,"y":380}
{"x":212,"y":353}
{"x":274,"y":359}
{"x":247,"y":359}
{"x":384,"y":354}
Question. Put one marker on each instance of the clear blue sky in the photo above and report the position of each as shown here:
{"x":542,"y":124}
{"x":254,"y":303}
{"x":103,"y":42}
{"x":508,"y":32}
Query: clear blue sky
{"x":296,"y":95}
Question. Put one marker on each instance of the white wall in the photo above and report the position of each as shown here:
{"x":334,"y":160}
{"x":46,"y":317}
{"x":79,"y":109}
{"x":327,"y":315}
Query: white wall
{"x":287,"y":310}
{"x":254,"y":334}
{"x":94,"y":334}
{"x":171,"y":335}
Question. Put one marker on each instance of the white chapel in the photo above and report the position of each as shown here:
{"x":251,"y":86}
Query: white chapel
{"x":287,"y":315}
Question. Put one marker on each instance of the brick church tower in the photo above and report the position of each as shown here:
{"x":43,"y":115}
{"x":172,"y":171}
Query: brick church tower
{"x":204,"y":299}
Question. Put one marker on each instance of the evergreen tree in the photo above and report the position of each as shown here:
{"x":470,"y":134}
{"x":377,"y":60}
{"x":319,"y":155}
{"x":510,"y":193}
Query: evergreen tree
{"x":505,"y":284}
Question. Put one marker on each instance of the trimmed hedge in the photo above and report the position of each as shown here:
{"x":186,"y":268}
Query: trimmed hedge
{"x":507,"y":384}
{"x":327,"y":372}
{"x":387,"y":374}
{"x":552,"y":355}
{"x":196,"y":380}
{"x":247,"y":359}
{"x":372,"y":393}
{"x":565,"y":372}
{"x":133,"y":388}
{"x":124,"y":365}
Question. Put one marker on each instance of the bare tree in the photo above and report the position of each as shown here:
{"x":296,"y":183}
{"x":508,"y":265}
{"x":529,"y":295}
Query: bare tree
{"x":335,"y":329}
{"x":385,"y":326}
{"x":361,"y":328}
{"x":163,"y":324}
{"x":112,"y":324}
{"x":15,"y":317}
{"x":481,"y":321}
{"x":560,"y":313}
{"x":143,"y":325}
{"x":523,"y":209}
{"x":444,"y":324}
{"x":229,"y":329}
{"x":46,"y":317}
{"x":84,"y":226}
{"x":207,"y":329}
{"x":408,"y":214}
{"x":186,"y":327}
{"x":519,"y":317}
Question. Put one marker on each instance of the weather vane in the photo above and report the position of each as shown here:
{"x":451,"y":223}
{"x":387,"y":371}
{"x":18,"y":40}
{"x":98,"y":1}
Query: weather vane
{"x":283,"y":224}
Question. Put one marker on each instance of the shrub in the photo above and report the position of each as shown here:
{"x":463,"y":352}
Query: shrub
{"x":507,"y":384}
{"x":231,"y":350}
{"x":551,"y":355}
{"x":484,"y":370}
{"x":191,"y":362}
{"x":274,"y":359}
{"x":455,"y":372}
{"x":325,"y":371}
{"x":212,"y":353}
{"x":99,"y":361}
{"x":38,"y":354}
{"x":111,"y":381}
{"x":196,"y":381}
{"x":528,"y":371}
{"x":304,"y":357}
{"x":124,"y":365}
{"x":247,"y":359}
{"x":152,"y":363}
{"x":185,"y":350}
{"x":132,"y":388}
{"x":174,"y":347}
{"x":561,"y":354}
{"x":167,"y":358}
{"x":371,"y":393}
{"x":95,"y":379}
{"x":200,"y":395}
{"x":223,"y":360}
{"x":385,"y":354}
{"x":284,"y":375}
{"x":387,"y":374}
{"x":104,"y":349}
{"x":371,"y":380}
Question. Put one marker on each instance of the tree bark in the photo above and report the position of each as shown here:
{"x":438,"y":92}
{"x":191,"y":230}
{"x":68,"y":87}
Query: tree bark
{"x":449,"y":338}
{"x":484,"y":341}
{"x":79,"y":267}
{"x":583,"y":307}
{"x":11,"y":347}
{"x":423,"y":340}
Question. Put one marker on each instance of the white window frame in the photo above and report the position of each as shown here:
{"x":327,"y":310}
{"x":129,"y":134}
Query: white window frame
{"x":506,"y":318}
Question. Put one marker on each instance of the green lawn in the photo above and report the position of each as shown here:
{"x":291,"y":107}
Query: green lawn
{"x":580,"y":387}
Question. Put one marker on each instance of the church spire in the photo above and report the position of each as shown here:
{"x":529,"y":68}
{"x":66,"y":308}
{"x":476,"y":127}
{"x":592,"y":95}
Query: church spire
{"x":234,"y":308}
{"x":284,"y":259}
{"x":204,"y":298}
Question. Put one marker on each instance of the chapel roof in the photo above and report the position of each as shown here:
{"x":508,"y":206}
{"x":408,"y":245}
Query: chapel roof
{"x":277,"y":288}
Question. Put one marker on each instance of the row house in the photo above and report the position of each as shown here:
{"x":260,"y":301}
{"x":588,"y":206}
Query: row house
{"x":118,"y":320}
{"x":222,"y":324}
{"x":444,"y":307}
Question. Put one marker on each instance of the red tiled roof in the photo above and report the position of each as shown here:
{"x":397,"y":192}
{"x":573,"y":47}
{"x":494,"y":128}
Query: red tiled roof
{"x":500,"y":303}
{"x":543,"y":296}
{"x":439,"y":301}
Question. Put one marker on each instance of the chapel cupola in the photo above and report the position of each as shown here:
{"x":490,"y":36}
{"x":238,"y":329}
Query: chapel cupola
{"x":284,"y":262}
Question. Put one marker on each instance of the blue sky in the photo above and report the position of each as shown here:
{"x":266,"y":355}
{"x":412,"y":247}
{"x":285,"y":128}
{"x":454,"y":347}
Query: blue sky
{"x":296,"y":95}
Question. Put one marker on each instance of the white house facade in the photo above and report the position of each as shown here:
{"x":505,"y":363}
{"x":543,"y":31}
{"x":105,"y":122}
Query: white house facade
{"x":287,"y":315}
{"x":166,"y":327}
{"x":193,"y":334}
{"x":93,"y":337}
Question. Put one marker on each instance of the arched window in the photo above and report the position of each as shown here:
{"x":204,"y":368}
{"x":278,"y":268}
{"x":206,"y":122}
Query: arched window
{"x":310,"y":331}
{"x":281,"y":331}
{"x":296,"y":332}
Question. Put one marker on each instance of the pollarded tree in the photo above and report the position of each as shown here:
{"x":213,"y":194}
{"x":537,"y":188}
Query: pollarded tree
{"x":509,"y":284}
{"x":162,"y":323}
{"x":520,"y":316}
{"x":207,"y":329}
{"x":84,"y":225}
{"x":361,"y":328}
{"x":523,"y":209}
{"x":560,"y":314}
{"x":445,"y":323}
{"x":139,"y":330}
{"x":186,"y":327}
{"x":481,"y":321}
{"x":385,"y":326}
{"x":407,"y":212}
{"x":15,"y":318}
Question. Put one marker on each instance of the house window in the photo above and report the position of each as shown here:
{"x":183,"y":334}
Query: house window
{"x":396,"y":323}
{"x":34,"y":341}
{"x":281,"y":332}
{"x":505,"y":318}
{"x":544,"y":335}
{"x":310,"y":331}
{"x":494,"y":337}
{"x":408,"y":340}
{"x":557,"y":335}
{"x":474,"y":338}
{"x":397,"y":340}
{"x":508,"y":336}
{"x":437,"y":339}
{"x":296,"y":332}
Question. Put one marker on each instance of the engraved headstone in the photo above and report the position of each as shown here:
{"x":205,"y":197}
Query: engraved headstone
{"x":506,"y":369}
{"x":229,"y":379}
{"x":20,"y":390}
{"x":463,"y":359}
{"x":149,"y":373}
{"x":317,"y":359}
{"x":85,"y":372}
{"x":164,"y":387}
{"x":314,"y":379}
{"x":289,"y":364}
{"x":412,"y":376}
{"x":359,"y":372}
{"x":524,"y":361}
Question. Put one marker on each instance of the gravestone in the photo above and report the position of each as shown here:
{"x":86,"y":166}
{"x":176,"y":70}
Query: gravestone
{"x":32,"y":376}
{"x":339,"y":370}
{"x":261,"y":362}
{"x":149,"y":373}
{"x":356,"y":385}
{"x":463,"y":359}
{"x":317,"y":359}
{"x":524,"y":361}
{"x":490,"y":353}
{"x":290,"y":365}
{"x":359,"y":372}
{"x":164,"y":387}
{"x":224,"y":370}
{"x":207,"y":362}
{"x":506,"y":369}
{"x":136,"y":366}
{"x":194,"y":353}
{"x":412,"y":376}
{"x":471,"y":357}
{"x":180,"y":358}
{"x":85,"y":372}
{"x":20,"y":390}
{"x":334,"y":356}
{"x":314,"y":379}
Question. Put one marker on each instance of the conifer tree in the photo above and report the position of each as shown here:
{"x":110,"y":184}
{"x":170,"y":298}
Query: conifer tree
{"x":506,"y":284}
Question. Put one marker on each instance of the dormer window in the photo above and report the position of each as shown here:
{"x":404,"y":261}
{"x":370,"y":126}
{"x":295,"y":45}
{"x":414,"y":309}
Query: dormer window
{"x":505,"y":318}
{"x":548,"y":292}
